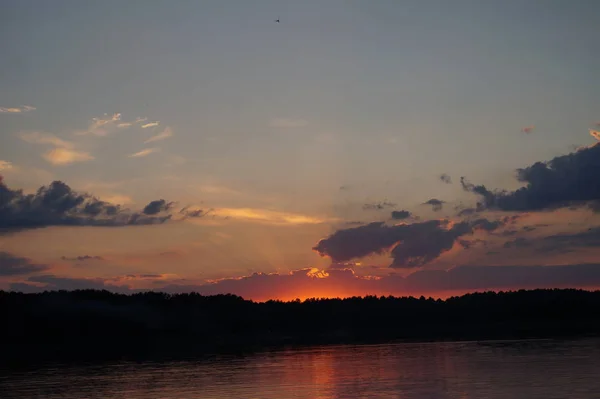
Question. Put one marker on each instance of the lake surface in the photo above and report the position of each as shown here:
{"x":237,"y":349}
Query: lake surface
{"x":501,"y":369}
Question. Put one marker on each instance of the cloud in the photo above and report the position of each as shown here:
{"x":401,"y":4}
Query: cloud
{"x":52,"y":282}
{"x":528,"y":129}
{"x":567,"y":180}
{"x":17,"y":110}
{"x":446,"y":178}
{"x":436,"y":204}
{"x":64,"y":156}
{"x":378,"y":206}
{"x":588,"y":238}
{"x":411,"y":245}
{"x":487,"y":225}
{"x":466,"y":212}
{"x":11,"y":265}
{"x":268,"y":216}
{"x":107,"y":124}
{"x":287,"y":123}
{"x":144,"y":153}
{"x":518,"y":242}
{"x":157,"y":206}
{"x":64,"y":152}
{"x":5,"y":165}
{"x":45,"y":138}
{"x":98,"y":122}
{"x":165,"y":134}
{"x":59,"y":205}
{"x":82,"y":258}
{"x":116,"y":199}
{"x":307,"y":283}
{"x":343,"y":282}
{"x":104,"y":125}
{"x":401,"y":215}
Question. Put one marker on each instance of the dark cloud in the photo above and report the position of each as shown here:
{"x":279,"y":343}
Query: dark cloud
{"x":157,"y":206}
{"x":595,"y":206}
{"x":467,"y":212}
{"x":344,"y":282}
{"x":82,"y":258}
{"x":468,"y":244}
{"x":361,"y":241}
{"x":378,"y":206}
{"x":400,"y":215}
{"x":15,"y":266}
{"x":53,"y":283}
{"x":426,"y":245}
{"x":145,"y":276}
{"x":354,"y":223}
{"x":507,"y":277}
{"x":586,"y":239}
{"x":487,"y":225}
{"x":446,"y":178}
{"x":415,"y":244}
{"x":262,"y":286}
{"x":196,"y":213}
{"x":519,"y":242}
{"x":59,"y":205}
{"x":492,"y":225}
{"x":436,"y":204}
{"x":564,"y":181}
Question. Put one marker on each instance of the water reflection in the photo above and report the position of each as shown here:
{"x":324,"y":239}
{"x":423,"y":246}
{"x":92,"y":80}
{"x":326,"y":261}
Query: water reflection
{"x":527,"y":369}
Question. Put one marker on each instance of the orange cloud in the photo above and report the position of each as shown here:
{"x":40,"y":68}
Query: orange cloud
{"x":65,"y":156}
{"x":63,"y":153}
{"x":144,"y":153}
{"x":150,"y":124}
{"x":267,"y":216}
{"x":5,"y":165}
{"x":16,"y":110}
{"x":165,"y":134}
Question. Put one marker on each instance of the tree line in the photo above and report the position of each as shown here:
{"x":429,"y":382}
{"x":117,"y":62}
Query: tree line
{"x":94,"y":323}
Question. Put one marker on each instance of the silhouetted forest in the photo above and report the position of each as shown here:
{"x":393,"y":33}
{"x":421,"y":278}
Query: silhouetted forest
{"x":91,"y":324}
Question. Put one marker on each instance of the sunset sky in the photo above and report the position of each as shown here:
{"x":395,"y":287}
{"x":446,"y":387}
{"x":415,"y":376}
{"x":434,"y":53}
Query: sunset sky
{"x":200,"y":145}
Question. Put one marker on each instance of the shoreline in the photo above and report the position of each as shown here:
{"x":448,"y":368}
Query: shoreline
{"x":96,"y":326}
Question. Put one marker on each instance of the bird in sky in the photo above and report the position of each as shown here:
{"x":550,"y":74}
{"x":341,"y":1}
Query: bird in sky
{"x":277,"y":20}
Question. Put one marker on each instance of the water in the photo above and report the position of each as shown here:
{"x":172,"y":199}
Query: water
{"x":518,"y":369}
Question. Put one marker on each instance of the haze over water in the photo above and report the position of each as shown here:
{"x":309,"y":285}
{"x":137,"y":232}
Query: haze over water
{"x":468,"y":370}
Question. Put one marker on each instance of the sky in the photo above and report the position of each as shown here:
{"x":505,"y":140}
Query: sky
{"x":384,"y":147}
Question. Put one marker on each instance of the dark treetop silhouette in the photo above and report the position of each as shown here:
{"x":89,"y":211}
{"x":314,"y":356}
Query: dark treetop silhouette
{"x":93,"y":324}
